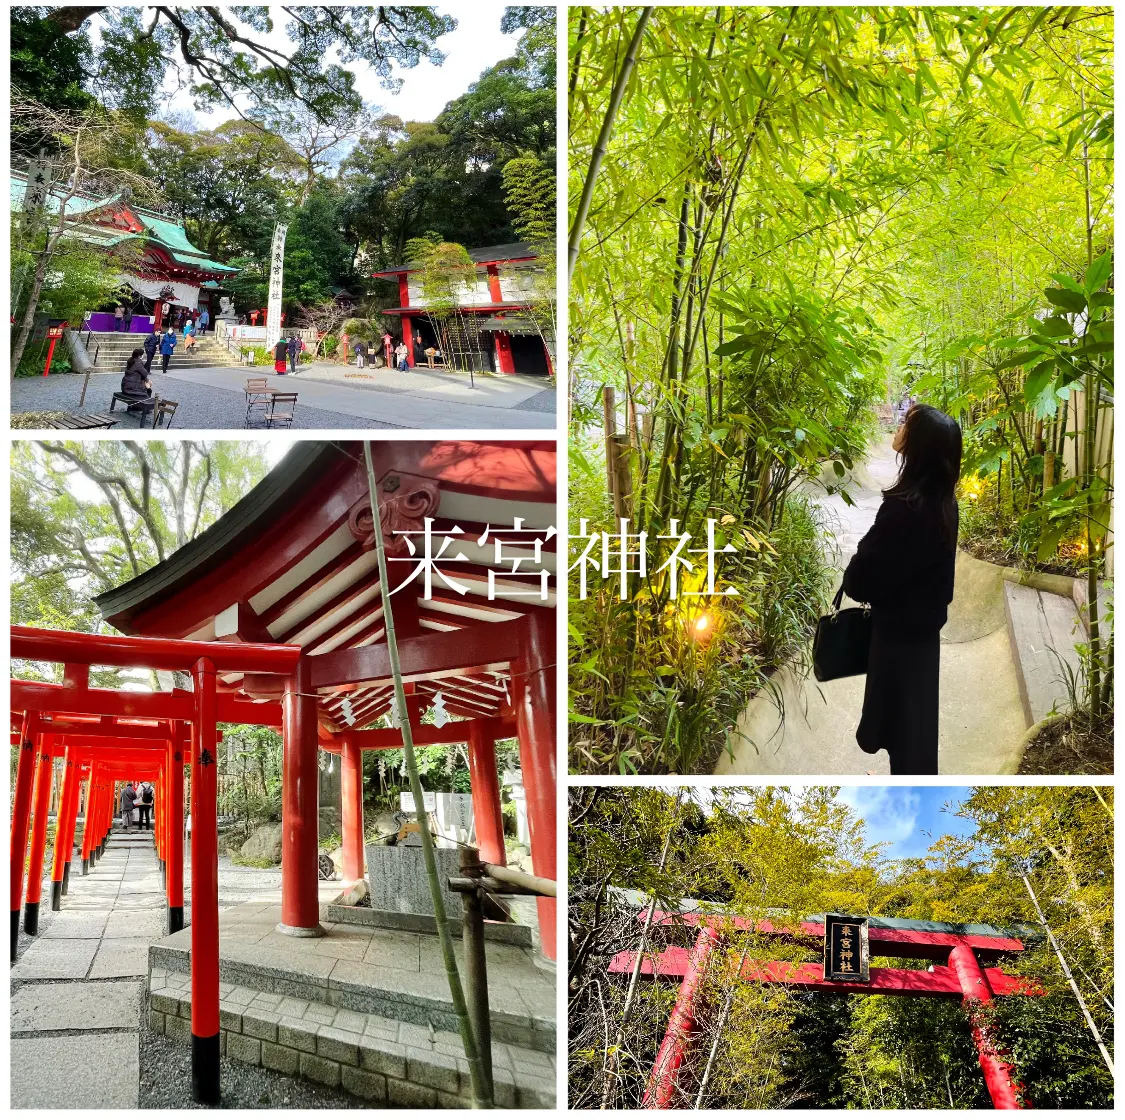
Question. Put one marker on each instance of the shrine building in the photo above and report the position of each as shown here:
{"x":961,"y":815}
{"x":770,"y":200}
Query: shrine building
{"x":498,"y":309}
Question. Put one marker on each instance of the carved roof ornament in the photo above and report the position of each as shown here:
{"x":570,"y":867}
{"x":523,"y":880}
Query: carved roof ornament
{"x":405,"y":501}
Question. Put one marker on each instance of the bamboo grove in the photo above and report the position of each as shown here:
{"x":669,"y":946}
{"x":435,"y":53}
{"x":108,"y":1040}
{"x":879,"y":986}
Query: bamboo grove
{"x":781,"y":219}
{"x":783,"y":854}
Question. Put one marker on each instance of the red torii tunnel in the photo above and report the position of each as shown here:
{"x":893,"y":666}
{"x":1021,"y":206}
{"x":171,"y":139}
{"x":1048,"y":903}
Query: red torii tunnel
{"x":277,"y":612}
{"x":964,"y":949}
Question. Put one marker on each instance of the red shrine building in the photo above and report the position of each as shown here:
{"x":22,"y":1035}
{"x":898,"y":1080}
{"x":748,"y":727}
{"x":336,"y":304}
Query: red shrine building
{"x":499,"y":305}
{"x":156,"y":258}
{"x":277,"y":614}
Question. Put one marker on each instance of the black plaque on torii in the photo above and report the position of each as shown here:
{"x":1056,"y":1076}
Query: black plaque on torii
{"x":846,"y":955}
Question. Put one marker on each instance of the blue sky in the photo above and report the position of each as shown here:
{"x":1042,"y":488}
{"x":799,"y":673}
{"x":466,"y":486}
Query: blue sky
{"x":910,"y":817}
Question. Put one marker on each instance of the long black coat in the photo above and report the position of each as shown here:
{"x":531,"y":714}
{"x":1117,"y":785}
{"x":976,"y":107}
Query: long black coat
{"x":904,"y":568}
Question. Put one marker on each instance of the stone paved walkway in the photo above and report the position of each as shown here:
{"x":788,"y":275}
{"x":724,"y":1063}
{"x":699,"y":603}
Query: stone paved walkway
{"x":981,"y":718}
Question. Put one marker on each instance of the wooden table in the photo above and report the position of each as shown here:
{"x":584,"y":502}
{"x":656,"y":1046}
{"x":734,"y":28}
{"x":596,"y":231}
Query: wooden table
{"x":89,"y":420}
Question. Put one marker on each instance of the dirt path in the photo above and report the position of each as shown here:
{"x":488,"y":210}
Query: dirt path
{"x":981,"y":719}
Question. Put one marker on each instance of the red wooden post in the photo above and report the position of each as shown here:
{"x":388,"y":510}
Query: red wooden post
{"x":54,"y":334}
{"x":62,"y":817}
{"x":351,"y":789}
{"x":505,"y":362}
{"x":71,"y":818}
{"x":88,"y":826}
{"x":21,"y":816}
{"x":999,"y":1075}
{"x":300,"y":903}
{"x":204,"y":890}
{"x":661,"y":1086}
{"x":533,"y":697}
{"x":174,"y":861}
{"x":484,"y":784}
{"x":44,"y":775}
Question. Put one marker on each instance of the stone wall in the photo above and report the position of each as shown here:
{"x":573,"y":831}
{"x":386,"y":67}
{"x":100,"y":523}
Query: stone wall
{"x":381,"y":1060}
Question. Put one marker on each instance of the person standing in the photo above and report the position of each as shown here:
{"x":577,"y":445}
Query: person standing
{"x":127,"y":319}
{"x":293,"y":349}
{"x":150,"y":346}
{"x":146,"y":804}
{"x":167,"y":346}
{"x":189,"y":335}
{"x":401,"y":353}
{"x":280,"y":352}
{"x":904,"y":568}
{"x":118,"y":318}
{"x":128,"y":799}
{"x":360,"y":353}
{"x":388,"y":348}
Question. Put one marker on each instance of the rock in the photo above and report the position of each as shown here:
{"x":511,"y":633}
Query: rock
{"x":264,"y":843}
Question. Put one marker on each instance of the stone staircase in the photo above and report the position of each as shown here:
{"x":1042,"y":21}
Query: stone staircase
{"x":112,"y":352}
{"x":1046,"y":619}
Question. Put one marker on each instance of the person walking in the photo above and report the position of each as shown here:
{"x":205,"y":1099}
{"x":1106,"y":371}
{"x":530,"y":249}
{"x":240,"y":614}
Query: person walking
{"x":904,"y":567}
{"x":401,"y":353}
{"x":167,"y":346}
{"x":294,"y":348}
{"x":152,"y":341}
{"x":189,"y":336}
{"x":280,"y":352}
{"x":118,"y":318}
{"x":146,"y":804}
{"x":204,"y":320}
{"x":128,"y":799}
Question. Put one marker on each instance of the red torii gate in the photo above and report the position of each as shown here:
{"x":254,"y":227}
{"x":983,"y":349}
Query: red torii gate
{"x":286,"y":582}
{"x":202,"y":709}
{"x":963,"y":947}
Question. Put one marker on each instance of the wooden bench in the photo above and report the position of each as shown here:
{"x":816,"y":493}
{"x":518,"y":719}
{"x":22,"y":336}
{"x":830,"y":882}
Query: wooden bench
{"x":84,"y":422}
{"x":133,"y":404}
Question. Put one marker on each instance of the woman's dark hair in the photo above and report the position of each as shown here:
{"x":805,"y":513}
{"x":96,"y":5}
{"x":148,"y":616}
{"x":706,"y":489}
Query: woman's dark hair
{"x":931,"y":463}
{"x":138,"y":353}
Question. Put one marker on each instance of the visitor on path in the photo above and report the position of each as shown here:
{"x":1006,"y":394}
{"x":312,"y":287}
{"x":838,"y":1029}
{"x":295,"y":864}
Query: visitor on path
{"x":388,"y":348}
{"x":294,"y":348}
{"x":189,"y":335}
{"x":401,"y":353}
{"x":360,"y":353}
{"x":152,"y":342}
{"x":127,"y":319}
{"x":146,"y":804}
{"x":204,"y":320}
{"x":280,"y":352}
{"x":904,"y":568}
{"x":118,"y":318}
{"x":167,"y":345}
{"x":430,"y":353}
{"x":128,"y":800}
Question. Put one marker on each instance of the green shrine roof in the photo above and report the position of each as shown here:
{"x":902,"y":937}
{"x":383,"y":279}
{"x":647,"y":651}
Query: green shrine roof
{"x":170,"y":235}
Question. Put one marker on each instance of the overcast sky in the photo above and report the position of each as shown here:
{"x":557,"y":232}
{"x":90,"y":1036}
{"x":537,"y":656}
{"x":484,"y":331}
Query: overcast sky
{"x":472,"y":48}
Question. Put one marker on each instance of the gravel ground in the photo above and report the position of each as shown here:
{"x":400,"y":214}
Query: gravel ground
{"x":547,"y":401}
{"x":200,"y":406}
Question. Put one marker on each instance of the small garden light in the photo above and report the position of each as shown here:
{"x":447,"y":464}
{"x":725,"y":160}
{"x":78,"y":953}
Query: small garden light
{"x":701,"y":626}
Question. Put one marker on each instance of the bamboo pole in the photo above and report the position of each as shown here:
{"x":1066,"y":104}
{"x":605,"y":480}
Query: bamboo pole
{"x":482,"y":1098}
{"x":602,"y":143}
{"x":1069,"y":977}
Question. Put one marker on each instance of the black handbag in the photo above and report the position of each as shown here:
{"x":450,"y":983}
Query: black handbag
{"x":842,"y":642}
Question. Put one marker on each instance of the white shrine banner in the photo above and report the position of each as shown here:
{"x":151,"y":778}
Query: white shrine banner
{"x":277,"y":269}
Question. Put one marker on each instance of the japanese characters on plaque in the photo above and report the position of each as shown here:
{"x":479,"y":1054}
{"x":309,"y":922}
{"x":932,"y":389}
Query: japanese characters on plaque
{"x":846,"y":949}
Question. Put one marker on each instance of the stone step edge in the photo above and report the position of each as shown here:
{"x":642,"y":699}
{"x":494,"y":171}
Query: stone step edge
{"x":366,"y":1065}
{"x":530,"y":1032}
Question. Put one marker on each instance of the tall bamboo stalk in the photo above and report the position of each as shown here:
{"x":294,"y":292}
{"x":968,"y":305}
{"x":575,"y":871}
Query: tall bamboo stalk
{"x":482,"y":1097}
{"x":602,"y":144}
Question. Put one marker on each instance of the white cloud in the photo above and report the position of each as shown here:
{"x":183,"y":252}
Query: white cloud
{"x":889,"y":812}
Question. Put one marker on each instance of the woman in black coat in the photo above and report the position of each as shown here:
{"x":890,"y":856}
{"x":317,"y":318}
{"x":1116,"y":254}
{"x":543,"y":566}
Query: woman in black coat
{"x":135,"y":382}
{"x":904,"y":568}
